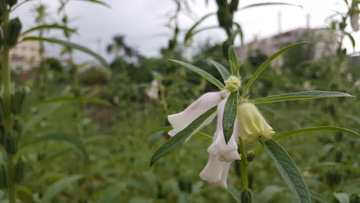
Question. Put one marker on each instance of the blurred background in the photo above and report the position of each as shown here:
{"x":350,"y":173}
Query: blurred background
{"x":113,"y":111}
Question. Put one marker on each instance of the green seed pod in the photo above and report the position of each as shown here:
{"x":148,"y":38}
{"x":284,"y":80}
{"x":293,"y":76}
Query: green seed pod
{"x":3,"y":7}
{"x":246,"y":196}
{"x":11,"y":2}
{"x":11,"y":143}
{"x":18,"y":127}
{"x":17,"y":101}
{"x":20,"y":170}
{"x":333,"y":178}
{"x":3,"y":180}
{"x":185,"y":184}
{"x":2,"y":112}
{"x":2,"y":135}
{"x":338,"y":156}
{"x":13,"y":31}
{"x":234,"y":5}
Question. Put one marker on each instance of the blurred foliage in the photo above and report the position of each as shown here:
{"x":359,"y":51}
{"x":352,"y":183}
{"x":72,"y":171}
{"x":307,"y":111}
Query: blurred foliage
{"x":119,"y":148}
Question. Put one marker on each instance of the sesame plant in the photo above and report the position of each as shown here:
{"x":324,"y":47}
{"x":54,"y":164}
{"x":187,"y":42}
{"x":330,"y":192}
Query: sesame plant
{"x":240,"y":125}
{"x":14,"y":138}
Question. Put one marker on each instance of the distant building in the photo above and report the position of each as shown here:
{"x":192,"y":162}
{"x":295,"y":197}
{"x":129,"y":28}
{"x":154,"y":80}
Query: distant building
{"x":322,"y":40}
{"x":25,"y":55}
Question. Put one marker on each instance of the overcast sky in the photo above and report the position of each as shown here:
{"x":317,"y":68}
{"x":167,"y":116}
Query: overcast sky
{"x":143,"y":21}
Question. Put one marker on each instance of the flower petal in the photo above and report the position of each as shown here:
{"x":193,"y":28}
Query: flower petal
{"x":227,"y":152}
{"x":180,"y":120}
{"x":216,"y":171}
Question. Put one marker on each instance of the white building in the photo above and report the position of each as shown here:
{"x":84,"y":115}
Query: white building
{"x":322,"y":40}
{"x":25,"y":55}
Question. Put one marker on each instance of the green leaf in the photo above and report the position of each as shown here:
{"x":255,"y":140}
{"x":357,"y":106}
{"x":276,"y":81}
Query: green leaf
{"x":48,"y":27}
{"x":240,"y":31}
{"x":268,"y":4}
{"x":98,"y":2}
{"x":43,"y":113}
{"x":203,"y":136}
{"x":265,"y":64}
{"x":318,"y":197}
{"x":300,"y":96}
{"x":353,"y":43}
{"x":191,"y":32}
{"x":313,"y":129}
{"x":233,"y":60}
{"x":165,"y":128}
{"x":180,"y":137}
{"x":201,"y":72}
{"x":222,"y":70}
{"x":73,"y":141}
{"x":234,"y":193}
{"x":71,"y":45}
{"x":288,"y":170}
{"x":58,"y":187}
{"x":75,"y":99}
{"x":342,"y":197}
{"x":229,"y":116}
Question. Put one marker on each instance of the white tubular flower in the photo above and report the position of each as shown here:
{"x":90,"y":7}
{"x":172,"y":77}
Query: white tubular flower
{"x":252,"y":124}
{"x":227,"y":152}
{"x":181,"y":120}
{"x":221,"y":154}
{"x":216,"y":171}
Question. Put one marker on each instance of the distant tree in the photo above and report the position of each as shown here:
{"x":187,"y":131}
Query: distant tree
{"x":120,"y":49}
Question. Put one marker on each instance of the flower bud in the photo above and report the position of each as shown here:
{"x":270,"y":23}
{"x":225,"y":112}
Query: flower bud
{"x":232,"y":83}
{"x":252,"y":124}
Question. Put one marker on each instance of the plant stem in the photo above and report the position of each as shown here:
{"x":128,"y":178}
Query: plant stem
{"x":243,"y":165}
{"x":8,"y":122}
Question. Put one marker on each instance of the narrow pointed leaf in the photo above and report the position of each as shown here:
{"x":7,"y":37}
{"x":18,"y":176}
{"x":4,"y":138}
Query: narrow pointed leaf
{"x":342,"y":197}
{"x":48,"y":27}
{"x":288,"y":170}
{"x":229,"y":115}
{"x":234,"y":193}
{"x":207,"y":76}
{"x":311,"y":129}
{"x":161,"y":129}
{"x":300,"y":96}
{"x":180,"y":137}
{"x":268,"y":4}
{"x":56,"y":188}
{"x":233,"y":60}
{"x":265,"y":64}
{"x":76,"y":99}
{"x":191,"y":32}
{"x":98,"y":2}
{"x":352,"y":40}
{"x":222,"y":70}
{"x":73,"y":141}
{"x":314,"y":129}
{"x":71,"y":45}
{"x":240,"y":31}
